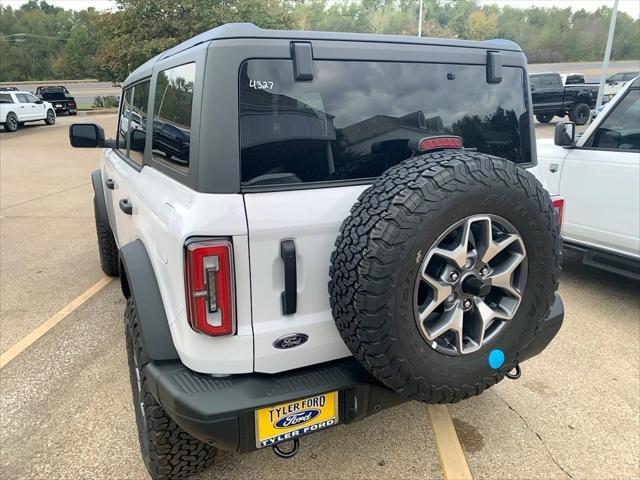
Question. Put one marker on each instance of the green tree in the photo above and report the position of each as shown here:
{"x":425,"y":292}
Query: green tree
{"x":481,"y":26}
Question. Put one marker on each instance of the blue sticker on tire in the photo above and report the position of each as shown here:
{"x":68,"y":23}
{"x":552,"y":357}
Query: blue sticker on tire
{"x":496,"y":358}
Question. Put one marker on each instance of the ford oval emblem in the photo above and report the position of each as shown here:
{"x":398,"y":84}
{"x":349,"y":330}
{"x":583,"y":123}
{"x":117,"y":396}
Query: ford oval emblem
{"x":297,"y":418}
{"x":290,"y":341}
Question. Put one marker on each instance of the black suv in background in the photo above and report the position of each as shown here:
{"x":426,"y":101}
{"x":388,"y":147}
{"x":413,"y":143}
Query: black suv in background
{"x":59,"y":97}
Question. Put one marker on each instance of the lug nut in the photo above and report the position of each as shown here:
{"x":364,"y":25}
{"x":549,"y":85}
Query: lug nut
{"x":451,"y":298}
{"x":484,"y":271}
{"x":468,"y":263}
{"x":466,"y":304}
{"x":453,"y":276}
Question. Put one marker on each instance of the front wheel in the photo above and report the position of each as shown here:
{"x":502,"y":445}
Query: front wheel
{"x":580,"y":114}
{"x":51,"y":117}
{"x":107,"y":247}
{"x":167,"y":450}
{"x":544,"y":117}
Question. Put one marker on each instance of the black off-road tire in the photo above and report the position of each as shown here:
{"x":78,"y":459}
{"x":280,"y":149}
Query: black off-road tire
{"x":580,"y":113}
{"x":379,"y":251}
{"x":11,"y":123}
{"x":544,"y":117}
{"x":167,"y":450}
{"x":51,"y":117}
{"x":107,"y":247}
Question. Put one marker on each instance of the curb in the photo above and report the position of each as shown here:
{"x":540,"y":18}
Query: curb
{"x":50,"y":82}
{"x":100,"y":111}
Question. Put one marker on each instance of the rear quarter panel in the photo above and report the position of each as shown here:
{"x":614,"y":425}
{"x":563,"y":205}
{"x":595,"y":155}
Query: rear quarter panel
{"x":170,"y":213}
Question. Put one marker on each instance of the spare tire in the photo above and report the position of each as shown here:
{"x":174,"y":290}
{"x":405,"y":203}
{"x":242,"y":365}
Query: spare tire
{"x":444,"y":270}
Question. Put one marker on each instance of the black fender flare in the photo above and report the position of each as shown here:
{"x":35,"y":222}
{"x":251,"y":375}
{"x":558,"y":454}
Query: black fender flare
{"x":139,"y":280}
{"x":101,"y":203}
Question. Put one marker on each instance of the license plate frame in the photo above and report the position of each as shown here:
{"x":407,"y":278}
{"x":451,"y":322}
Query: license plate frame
{"x":293,"y":419}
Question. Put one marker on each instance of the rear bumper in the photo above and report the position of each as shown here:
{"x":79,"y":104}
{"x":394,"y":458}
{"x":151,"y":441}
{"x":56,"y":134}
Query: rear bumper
{"x":220,"y":411}
{"x":550,"y":328}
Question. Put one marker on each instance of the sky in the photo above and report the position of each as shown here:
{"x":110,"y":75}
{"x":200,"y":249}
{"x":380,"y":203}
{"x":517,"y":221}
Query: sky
{"x":632,"y":7}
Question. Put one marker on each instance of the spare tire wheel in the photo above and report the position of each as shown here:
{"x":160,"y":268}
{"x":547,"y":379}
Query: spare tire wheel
{"x":444,"y":270}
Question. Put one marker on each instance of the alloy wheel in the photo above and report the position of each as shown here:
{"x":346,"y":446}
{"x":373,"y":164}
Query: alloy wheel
{"x":470,"y":284}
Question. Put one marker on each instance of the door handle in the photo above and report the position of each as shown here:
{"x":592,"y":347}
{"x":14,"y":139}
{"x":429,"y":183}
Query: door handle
{"x":553,"y":168}
{"x":125,"y":206}
{"x":289,"y":297}
{"x":110,"y":183}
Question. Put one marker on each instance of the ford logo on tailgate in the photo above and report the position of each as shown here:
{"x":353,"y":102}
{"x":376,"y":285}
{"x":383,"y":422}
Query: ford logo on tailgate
{"x":297,"y":418}
{"x":290,"y":341}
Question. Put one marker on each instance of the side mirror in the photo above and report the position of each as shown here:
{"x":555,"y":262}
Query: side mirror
{"x":40,"y":101}
{"x":565,"y":134}
{"x":86,"y":135}
{"x":137,"y":141}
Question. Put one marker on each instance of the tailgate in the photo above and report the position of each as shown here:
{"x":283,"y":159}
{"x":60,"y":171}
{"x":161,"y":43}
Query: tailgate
{"x":312,"y":219}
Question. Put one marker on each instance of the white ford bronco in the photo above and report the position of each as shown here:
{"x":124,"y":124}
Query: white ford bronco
{"x":312,"y":227}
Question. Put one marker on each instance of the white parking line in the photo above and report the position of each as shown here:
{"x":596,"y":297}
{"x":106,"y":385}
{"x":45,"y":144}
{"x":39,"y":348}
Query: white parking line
{"x":31,"y":338}
{"x":452,"y":460}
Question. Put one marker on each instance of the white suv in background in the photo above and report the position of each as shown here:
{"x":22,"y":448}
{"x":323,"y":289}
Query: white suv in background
{"x":18,"y":108}
{"x":599,"y":176}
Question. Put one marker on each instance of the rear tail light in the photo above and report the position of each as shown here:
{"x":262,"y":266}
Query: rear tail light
{"x":558,"y":205}
{"x":439,"y":142}
{"x":209,"y":287}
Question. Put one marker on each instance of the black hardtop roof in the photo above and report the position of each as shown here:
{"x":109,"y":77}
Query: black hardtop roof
{"x":249,"y":30}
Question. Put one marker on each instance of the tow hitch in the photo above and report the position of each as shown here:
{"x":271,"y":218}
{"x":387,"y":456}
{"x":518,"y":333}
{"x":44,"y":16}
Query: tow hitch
{"x":515,"y":373}
{"x":287,"y":453}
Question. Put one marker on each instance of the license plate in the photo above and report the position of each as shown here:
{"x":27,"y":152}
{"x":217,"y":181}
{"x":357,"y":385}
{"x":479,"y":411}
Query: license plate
{"x":290,"y":420}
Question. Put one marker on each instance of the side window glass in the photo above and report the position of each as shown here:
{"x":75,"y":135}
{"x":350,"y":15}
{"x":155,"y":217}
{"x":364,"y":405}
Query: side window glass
{"x":5,"y":98}
{"x":173,"y":103}
{"x":534,"y":81}
{"x":32,"y":98}
{"x":553,"y":81}
{"x":621,"y":129}
{"x":123,"y":123}
{"x":22,"y":98}
{"x":138,"y":122}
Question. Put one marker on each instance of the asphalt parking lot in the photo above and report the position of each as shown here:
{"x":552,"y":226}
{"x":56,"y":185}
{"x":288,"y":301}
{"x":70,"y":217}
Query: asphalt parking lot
{"x":65,"y":404}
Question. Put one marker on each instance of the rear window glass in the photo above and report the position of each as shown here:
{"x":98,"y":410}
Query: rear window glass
{"x":356,"y":119}
{"x":54,"y":95}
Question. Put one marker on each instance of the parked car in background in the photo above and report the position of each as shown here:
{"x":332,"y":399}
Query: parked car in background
{"x":18,"y":108}
{"x":60,"y":97}
{"x":551,"y":98}
{"x":8,"y":89}
{"x":616,"y":82}
{"x":599,"y":176}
